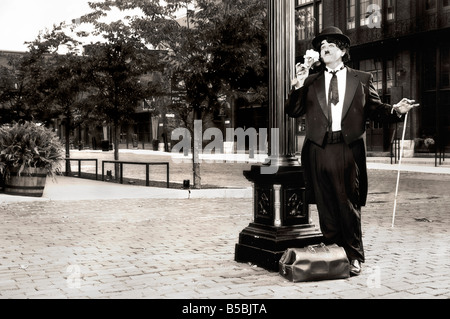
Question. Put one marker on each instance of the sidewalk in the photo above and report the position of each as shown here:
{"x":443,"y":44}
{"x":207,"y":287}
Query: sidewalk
{"x":419,"y":165}
{"x":69,"y":188}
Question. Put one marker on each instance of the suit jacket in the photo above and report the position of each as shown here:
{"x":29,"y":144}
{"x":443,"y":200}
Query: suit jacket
{"x":361,"y":101}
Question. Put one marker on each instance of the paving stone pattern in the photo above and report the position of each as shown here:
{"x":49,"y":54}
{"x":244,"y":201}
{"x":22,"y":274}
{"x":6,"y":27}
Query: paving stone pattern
{"x":184,"y":248}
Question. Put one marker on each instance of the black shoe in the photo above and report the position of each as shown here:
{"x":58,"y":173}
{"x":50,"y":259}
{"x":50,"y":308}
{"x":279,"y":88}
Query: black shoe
{"x":355,"y":268}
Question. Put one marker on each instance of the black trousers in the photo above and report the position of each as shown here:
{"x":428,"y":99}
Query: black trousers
{"x":335,"y":178}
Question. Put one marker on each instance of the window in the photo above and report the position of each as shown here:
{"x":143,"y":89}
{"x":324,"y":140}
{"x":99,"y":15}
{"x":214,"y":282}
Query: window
{"x":390,"y":9}
{"x":351,"y":14}
{"x":367,"y":9}
{"x":320,"y":25}
{"x":382,"y":72}
{"x":308,"y":18}
{"x":430,"y":4}
{"x":305,"y":22}
{"x":376,"y":68}
{"x":369,"y":12}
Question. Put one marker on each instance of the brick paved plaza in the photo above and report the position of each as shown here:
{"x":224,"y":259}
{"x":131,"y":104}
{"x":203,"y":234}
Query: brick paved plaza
{"x":183,"y":248}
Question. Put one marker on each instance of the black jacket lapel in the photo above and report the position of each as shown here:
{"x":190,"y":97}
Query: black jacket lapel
{"x":319,"y":87}
{"x":350,"y":90}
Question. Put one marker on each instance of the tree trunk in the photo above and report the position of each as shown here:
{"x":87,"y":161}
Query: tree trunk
{"x":67,"y":129}
{"x":197,"y":176}
{"x":80,"y":143}
{"x":196,"y":149}
{"x":116,"y":133}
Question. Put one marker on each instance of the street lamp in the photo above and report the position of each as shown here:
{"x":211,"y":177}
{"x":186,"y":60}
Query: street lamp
{"x":281,"y":217}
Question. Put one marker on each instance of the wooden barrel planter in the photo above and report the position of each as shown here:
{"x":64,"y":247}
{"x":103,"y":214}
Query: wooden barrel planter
{"x":30,"y":182}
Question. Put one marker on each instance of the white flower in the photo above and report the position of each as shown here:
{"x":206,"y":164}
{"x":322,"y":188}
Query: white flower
{"x":311,"y":57}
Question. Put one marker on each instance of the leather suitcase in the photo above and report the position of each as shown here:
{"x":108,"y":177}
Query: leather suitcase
{"x":313,"y":263}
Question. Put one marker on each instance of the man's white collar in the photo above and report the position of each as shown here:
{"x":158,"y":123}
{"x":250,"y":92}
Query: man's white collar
{"x":338,"y":68}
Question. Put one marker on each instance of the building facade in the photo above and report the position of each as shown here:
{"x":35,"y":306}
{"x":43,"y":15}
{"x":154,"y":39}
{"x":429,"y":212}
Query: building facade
{"x":404,"y":44}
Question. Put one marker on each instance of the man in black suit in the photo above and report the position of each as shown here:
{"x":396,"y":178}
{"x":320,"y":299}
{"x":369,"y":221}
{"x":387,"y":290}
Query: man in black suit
{"x":336,"y":103}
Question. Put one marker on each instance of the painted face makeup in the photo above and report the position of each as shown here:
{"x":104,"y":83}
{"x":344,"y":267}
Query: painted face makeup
{"x":330,"y":53}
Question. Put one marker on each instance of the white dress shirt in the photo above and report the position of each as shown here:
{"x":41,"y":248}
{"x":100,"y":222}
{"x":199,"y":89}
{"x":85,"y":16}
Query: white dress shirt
{"x":336,"y":110}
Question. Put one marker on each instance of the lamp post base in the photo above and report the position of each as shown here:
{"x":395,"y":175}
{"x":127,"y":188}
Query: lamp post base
{"x":281,"y":218}
{"x":264,"y":245}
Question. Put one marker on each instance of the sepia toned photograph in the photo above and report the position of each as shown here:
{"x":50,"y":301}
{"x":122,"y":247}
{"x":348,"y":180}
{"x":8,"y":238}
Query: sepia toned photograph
{"x":224,"y":158}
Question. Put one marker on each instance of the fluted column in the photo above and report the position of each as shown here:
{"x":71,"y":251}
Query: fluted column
{"x":281,"y":14}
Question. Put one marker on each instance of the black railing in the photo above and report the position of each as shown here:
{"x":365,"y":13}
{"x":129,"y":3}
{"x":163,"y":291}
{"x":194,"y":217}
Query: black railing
{"x":400,"y":28}
{"x":79,"y":160}
{"x":394,"y":148}
{"x":147,"y":171}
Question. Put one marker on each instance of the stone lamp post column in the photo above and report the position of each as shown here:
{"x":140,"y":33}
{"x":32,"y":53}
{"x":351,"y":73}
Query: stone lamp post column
{"x":281,"y":218}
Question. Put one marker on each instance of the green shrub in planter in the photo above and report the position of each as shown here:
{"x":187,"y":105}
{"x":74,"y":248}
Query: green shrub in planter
{"x":29,"y":149}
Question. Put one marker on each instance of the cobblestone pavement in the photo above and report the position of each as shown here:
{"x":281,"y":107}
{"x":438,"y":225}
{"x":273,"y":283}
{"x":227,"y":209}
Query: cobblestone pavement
{"x":184,"y":248}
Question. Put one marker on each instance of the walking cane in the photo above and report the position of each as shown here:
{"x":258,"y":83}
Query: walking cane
{"x":399,"y":166}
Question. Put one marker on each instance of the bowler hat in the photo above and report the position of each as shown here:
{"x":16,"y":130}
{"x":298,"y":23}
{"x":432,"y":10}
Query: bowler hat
{"x":330,"y":32}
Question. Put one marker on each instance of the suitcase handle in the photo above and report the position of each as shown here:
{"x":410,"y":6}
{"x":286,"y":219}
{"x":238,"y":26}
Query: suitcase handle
{"x":321,"y":245}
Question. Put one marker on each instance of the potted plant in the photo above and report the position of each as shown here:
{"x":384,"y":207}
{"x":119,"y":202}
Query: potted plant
{"x":29,"y":152}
